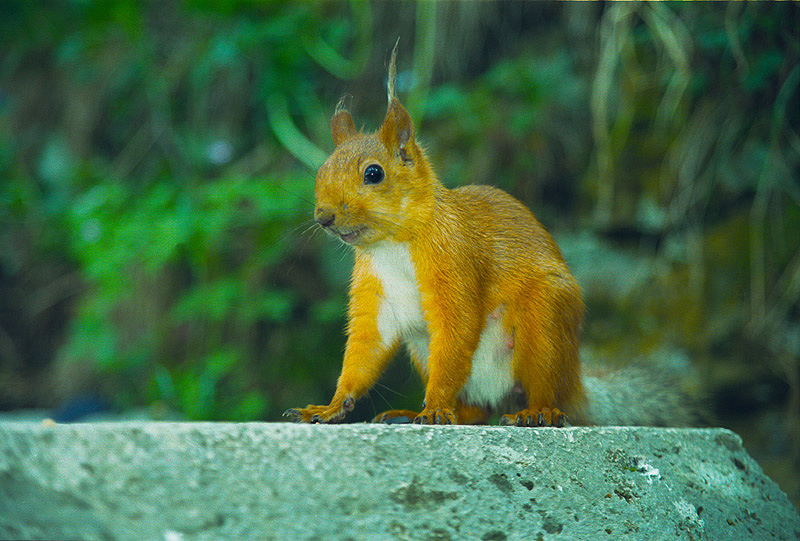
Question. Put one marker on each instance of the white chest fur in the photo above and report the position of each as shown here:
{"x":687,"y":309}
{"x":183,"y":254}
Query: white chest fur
{"x":400,"y":316}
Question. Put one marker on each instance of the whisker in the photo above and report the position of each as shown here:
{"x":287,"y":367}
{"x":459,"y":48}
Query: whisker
{"x":345,"y":249}
{"x":386,"y":387}
{"x":380,"y":395}
{"x":312,"y":226}
{"x":314,"y":229}
{"x":293,"y":232}
{"x":298,"y":196}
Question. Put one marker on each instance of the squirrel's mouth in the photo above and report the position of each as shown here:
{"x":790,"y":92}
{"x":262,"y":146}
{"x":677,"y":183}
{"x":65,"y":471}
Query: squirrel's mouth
{"x":348,"y":236}
{"x":351,"y":236}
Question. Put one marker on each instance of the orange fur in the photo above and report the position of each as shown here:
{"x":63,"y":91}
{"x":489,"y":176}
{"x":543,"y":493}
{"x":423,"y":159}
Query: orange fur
{"x":467,"y":278}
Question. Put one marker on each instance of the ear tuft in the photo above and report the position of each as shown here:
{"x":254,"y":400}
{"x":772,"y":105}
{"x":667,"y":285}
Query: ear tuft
{"x":392,"y":72}
{"x":397,"y":132}
{"x":342,"y":126}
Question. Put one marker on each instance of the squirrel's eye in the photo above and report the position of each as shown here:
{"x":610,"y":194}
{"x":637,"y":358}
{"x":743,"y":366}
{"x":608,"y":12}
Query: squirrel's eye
{"x":373,"y":174}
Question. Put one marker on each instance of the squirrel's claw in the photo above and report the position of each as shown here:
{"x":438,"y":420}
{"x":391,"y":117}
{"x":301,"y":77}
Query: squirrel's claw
{"x":332,"y":413}
{"x":314,"y":414}
{"x":543,"y":417}
{"x":441,"y":416}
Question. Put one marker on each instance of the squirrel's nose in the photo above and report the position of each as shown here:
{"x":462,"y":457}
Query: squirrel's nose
{"x":324,"y":217}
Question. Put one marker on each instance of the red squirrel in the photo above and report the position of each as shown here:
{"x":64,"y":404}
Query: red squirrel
{"x":467,"y":279}
{"x":475,"y":288}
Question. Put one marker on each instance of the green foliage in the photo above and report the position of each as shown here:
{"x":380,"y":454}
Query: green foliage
{"x":157,"y":173}
{"x":178,"y":276}
{"x":507,"y":129}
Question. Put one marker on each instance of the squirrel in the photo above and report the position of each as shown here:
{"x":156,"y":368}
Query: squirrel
{"x":466,"y":278}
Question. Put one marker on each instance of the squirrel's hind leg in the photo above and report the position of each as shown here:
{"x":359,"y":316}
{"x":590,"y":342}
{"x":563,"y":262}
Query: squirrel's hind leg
{"x":395,"y":417}
{"x":467,"y":414}
{"x":545,"y":321}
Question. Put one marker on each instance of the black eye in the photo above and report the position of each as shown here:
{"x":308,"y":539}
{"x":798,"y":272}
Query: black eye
{"x":373,"y":174}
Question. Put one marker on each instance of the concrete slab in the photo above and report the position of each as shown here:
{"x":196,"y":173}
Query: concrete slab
{"x":174,"y":481}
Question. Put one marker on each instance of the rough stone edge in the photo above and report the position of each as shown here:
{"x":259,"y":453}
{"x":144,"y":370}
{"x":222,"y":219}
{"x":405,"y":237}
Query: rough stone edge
{"x":174,"y":432}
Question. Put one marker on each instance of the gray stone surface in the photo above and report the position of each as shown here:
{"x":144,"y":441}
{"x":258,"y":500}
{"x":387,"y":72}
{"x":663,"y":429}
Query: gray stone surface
{"x":173,"y":481}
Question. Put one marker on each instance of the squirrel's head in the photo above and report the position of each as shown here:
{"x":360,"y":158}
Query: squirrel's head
{"x":374,"y":185}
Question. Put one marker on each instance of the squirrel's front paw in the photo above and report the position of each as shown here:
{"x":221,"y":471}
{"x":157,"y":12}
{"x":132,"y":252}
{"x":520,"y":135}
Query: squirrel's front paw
{"x":332,"y":413}
{"x":439,"y":416}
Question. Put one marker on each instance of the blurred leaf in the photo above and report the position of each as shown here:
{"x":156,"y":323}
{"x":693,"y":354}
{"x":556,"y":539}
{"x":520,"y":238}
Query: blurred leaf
{"x":213,"y":302}
{"x":252,"y":405}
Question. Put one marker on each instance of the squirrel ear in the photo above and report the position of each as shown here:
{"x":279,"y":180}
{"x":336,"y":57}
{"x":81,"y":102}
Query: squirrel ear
{"x":397,"y":132}
{"x":342,"y":127}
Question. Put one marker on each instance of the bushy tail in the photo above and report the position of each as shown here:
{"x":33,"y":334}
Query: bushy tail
{"x":640,"y":395}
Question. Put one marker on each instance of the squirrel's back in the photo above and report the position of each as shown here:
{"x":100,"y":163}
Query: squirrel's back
{"x":506,"y":228}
